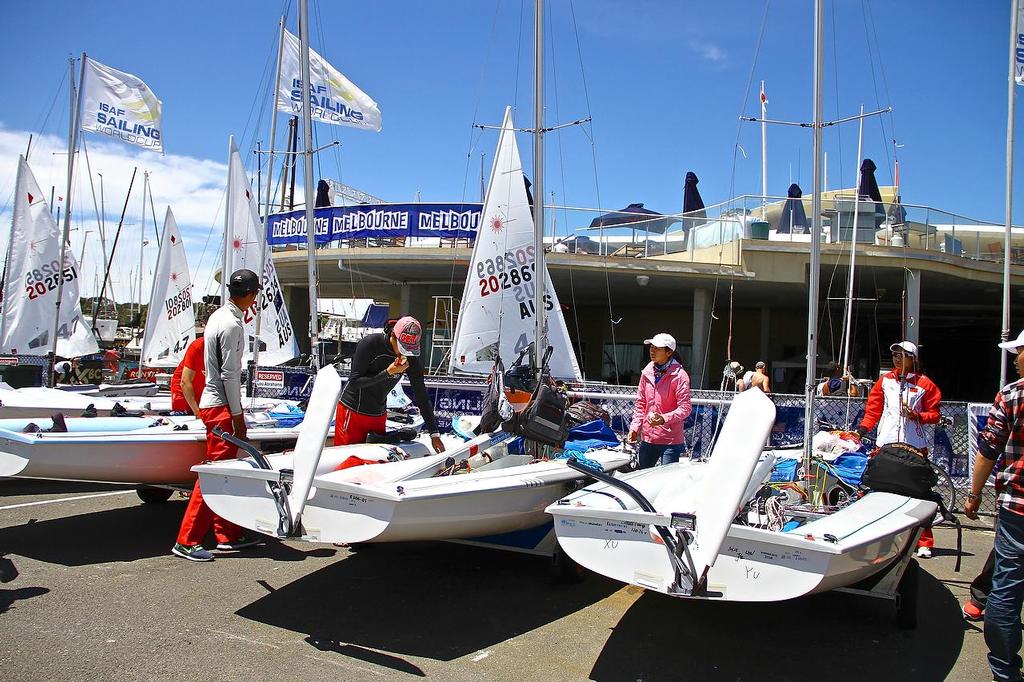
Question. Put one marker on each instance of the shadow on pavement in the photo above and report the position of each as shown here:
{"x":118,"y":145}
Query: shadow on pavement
{"x":8,"y":597}
{"x":14,"y":487}
{"x":434,"y":600}
{"x":140,"y":531}
{"x":819,"y":637}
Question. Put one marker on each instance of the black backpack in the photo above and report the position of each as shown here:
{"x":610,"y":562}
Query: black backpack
{"x":544,"y":418}
{"x":901,"y":469}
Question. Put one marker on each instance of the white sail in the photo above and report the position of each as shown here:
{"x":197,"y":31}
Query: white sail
{"x":243,"y":244}
{"x":171,"y":318}
{"x":33,"y":275}
{"x":498,"y":302}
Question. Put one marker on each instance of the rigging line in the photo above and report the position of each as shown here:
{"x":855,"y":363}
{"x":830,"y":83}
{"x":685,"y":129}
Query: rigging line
{"x":96,"y":207}
{"x":565,"y":213}
{"x":881,"y":68}
{"x":835,"y":79}
{"x":519,"y":55}
{"x":874,"y":82}
{"x":746,"y":94}
{"x":597,"y":189}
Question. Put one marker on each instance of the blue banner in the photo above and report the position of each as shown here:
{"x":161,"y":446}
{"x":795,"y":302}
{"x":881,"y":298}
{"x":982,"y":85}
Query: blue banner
{"x":449,"y":220}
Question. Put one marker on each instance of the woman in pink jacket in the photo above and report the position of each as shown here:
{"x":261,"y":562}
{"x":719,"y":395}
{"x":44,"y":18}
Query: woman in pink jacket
{"x":662,"y":405}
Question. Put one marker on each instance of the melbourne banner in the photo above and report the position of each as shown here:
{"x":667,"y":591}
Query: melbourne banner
{"x":375,"y":221}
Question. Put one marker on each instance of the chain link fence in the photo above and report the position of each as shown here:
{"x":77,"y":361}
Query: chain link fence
{"x":951,"y":443}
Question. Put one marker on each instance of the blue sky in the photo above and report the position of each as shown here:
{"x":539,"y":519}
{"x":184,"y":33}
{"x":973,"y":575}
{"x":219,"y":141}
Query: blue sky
{"x":664,"y":82}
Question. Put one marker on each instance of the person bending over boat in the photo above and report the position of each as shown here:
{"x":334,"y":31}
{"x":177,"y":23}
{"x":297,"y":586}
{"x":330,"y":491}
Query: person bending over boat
{"x":1001,"y":444}
{"x":378,"y":364}
{"x":901,"y":403}
{"x":189,"y":379}
{"x":220,"y":406}
{"x":662,"y":405}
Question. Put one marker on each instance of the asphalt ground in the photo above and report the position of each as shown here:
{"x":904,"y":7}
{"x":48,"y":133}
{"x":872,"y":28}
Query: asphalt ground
{"x":99,"y":596}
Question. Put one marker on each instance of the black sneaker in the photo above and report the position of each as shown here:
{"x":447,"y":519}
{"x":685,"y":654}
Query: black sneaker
{"x":240,"y":543}
{"x":192,"y":552}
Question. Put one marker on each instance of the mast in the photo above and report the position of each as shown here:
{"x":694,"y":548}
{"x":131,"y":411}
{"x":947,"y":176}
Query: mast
{"x":538,"y":179}
{"x":764,"y":154}
{"x":307,"y":171}
{"x":75,"y":104}
{"x":853,"y":251}
{"x":812,"y":275}
{"x":142,"y":244}
{"x":270,"y":181}
{"x":1011,"y":101}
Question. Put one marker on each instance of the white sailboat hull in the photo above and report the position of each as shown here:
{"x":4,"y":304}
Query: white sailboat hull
{"x":400,"y":501}
{"x":602,"y":529}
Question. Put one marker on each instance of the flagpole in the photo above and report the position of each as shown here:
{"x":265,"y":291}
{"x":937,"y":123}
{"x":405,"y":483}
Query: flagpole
{"x":1010,"y":94}
{"x":142,"y":244}
{"x":75,"y":104}
{"x":266,"y":194}
{"x":307,"y":157}
{"x":764,"y":153}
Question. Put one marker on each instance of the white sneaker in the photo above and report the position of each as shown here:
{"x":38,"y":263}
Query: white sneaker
{"x":924,"y":552}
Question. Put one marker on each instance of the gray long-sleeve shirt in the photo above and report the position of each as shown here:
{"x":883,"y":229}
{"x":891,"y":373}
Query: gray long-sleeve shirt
{"x":225,"y":344}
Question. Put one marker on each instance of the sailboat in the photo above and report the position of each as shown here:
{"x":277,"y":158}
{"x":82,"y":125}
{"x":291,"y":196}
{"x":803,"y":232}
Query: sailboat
{"x":700,"y":530}
{"x":171,"y":322}
{"x":437,"y":497}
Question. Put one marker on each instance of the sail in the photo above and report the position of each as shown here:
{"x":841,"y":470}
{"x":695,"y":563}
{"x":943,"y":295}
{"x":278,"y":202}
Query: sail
{"x":33,"y":275}
{"x":498,"y":302}
{"x":171,"y":318}
{"x":243,"y":244}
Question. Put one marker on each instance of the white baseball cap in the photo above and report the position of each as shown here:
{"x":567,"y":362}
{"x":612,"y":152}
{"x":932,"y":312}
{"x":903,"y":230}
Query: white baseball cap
{"x":662,"y":340}
{"x":1014,"y":345}
{"x":906,"y":346}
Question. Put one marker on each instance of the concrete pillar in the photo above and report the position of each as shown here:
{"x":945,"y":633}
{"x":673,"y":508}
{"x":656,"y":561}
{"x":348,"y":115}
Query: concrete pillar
{"x":766,"y":323}
{"x":297,"y":301}
{"x":701,"y":330}
{"x":912,"y":323}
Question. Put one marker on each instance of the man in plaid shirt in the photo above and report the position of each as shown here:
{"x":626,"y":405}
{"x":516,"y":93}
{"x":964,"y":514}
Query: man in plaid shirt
{"x":1002,"y":441}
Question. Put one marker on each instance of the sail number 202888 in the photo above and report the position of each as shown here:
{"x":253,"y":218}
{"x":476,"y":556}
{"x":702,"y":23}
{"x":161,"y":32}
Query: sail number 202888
{"x":506,"y":271}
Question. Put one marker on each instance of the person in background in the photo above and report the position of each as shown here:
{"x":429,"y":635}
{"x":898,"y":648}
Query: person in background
{"x":1001,"y":443}
{"x":901,"y":402}
{"x":837,"y":382}
{"x":378,"y":364}
{"x":662,"y":405}
{"x":112,"y":361}
{"x":68,"y":371}
{"x":220,"y":406}
{"x":189,"y":379}
{"x":755,"y":379}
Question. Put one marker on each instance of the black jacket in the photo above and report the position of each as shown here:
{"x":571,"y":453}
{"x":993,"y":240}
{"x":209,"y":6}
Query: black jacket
{"x":369,"y":382}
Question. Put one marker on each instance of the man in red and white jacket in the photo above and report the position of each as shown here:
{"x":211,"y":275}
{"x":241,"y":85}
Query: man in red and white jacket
{"x":901,"y":403}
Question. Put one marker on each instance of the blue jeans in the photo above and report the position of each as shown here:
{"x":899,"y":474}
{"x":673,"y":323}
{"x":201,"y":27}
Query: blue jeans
{"x":1002,"y":612}
{"x":651,"y":454}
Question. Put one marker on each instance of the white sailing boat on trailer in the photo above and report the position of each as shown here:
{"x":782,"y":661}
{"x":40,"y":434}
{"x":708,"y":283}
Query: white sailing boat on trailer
{"x":434,"y":497}
{"x":692,"y":529}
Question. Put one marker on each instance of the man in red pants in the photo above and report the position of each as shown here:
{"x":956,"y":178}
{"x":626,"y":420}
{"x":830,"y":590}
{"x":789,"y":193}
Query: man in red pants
{"x":220,"y":406}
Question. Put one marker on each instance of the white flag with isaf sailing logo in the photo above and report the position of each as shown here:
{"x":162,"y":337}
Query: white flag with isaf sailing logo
{"x":33,"y":276}
{"x":334,"y":98}
{"x":242,"y":249}
{"x":120,"y":105}
{"x":170,"y":318}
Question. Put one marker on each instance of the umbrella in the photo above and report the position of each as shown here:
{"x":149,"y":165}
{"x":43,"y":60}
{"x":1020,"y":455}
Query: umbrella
{"x":692,"y":203}
{"x":634,"y":216}
{"x":868,"y":188}
{"x":323,"y":194}
{"x":793,"y":218}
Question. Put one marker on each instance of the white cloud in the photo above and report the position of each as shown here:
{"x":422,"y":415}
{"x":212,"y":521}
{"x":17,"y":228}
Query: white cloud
{"x":709,"y":52}
{"x":192,"y":187}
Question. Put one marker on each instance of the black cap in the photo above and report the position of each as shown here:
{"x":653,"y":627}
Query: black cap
{"x":243,"y":282}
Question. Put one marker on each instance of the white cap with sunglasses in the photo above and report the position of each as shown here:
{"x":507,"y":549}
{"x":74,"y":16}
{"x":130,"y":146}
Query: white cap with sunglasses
{"x":1015,"y":345}
{"x":905,"y":347}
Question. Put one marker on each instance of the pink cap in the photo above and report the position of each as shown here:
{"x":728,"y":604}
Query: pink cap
{"x":408,"y":332}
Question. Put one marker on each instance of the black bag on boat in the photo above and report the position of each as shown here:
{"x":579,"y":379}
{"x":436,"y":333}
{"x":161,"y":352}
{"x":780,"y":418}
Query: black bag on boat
{"x":543,"y":420}
{"x":901,"y":469}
